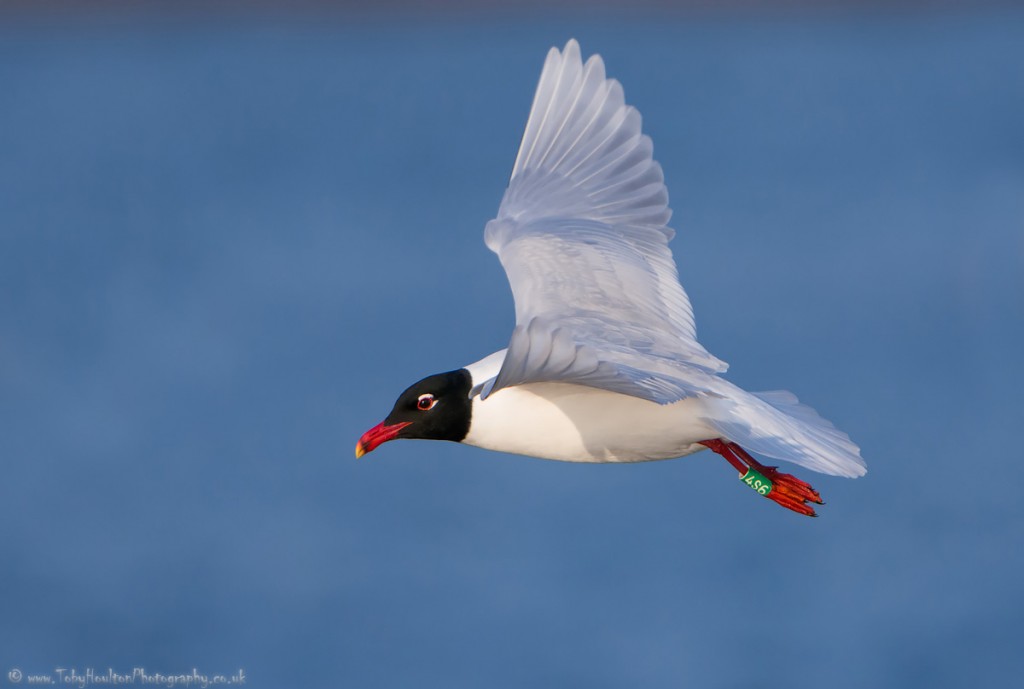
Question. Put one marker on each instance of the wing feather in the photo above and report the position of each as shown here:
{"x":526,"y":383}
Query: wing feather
{"x":582,"y":234}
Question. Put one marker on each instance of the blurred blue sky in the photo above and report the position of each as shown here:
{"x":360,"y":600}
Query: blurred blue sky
{"x":226,"y":245}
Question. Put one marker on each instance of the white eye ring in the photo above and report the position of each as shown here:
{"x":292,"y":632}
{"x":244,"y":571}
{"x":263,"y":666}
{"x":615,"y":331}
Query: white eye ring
{"x":426,"y":402}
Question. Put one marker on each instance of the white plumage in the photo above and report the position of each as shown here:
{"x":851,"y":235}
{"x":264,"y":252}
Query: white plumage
{"x":605,"y":340}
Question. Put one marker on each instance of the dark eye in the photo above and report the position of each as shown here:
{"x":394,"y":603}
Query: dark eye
{"x":426,"y":402}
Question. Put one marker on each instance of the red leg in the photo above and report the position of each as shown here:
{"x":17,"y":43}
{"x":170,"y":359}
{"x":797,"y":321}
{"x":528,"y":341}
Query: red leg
{"x":785,"y":489}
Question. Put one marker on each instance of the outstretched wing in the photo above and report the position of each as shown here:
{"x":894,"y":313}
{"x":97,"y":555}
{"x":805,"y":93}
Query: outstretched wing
{"x":582,"y":234}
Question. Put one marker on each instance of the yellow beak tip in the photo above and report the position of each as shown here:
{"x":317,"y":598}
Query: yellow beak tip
{"x":359,"y":450}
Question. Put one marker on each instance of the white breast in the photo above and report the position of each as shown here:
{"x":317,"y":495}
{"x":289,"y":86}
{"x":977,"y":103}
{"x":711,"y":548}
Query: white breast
{"x":582,"y":424}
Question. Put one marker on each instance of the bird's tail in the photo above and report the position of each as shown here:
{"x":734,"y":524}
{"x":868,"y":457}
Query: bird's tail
{"x":775,"y":424}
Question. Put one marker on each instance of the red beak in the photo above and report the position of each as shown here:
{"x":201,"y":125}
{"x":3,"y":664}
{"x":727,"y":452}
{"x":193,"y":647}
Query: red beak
{"x":377,"y":435}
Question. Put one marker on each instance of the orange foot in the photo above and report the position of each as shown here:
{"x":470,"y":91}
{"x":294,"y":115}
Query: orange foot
{"x":785,"y":489}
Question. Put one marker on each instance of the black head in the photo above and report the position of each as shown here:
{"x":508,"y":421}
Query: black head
{"x":436,"y":408}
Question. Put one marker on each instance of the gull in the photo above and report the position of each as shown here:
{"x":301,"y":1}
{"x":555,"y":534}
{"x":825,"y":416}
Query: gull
{"x":603,"y":364}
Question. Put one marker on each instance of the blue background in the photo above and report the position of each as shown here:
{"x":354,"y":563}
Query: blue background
{"x":226,"y":246}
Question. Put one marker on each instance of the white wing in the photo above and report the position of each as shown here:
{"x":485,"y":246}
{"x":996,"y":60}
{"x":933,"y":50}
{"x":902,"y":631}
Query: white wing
{"x":582,"y":235}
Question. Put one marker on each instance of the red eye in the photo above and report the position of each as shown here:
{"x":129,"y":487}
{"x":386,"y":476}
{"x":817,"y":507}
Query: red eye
{"x":426,"y":402}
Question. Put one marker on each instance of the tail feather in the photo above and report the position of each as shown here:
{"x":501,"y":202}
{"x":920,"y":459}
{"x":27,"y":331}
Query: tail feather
{"x":775,"y":424}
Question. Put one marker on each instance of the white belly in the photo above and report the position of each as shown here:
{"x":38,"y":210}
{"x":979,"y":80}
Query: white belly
{"x":575,"y":423}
